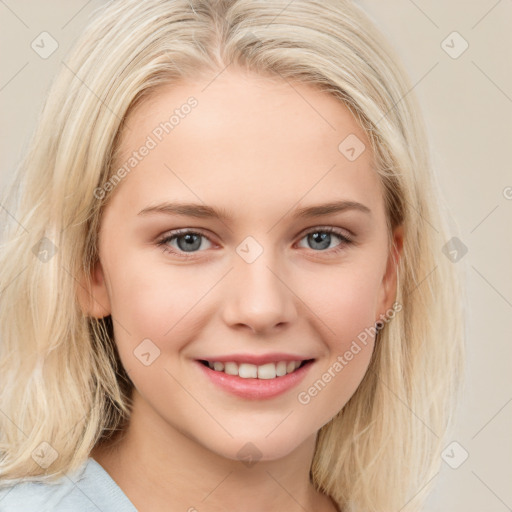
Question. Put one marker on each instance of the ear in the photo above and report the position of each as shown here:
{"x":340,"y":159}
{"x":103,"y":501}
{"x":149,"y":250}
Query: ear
{"x":389,"y":283}
{"x":93,"y":293}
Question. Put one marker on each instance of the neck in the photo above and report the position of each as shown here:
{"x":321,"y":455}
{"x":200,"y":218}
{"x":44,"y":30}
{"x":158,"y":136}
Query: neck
{"x":157,"y":466}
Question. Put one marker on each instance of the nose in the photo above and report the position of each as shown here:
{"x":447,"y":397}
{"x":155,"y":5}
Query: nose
{"x":258,"y":297}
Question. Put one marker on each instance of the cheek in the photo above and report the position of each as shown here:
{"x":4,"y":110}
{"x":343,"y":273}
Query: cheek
{"x":346,"y":300}
{"x":155,"y":311}
{"x":154,"y":301}
{"x":346,"y":305}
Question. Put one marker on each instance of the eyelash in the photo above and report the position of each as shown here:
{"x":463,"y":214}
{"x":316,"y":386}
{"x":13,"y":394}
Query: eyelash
{"x":345,"y":240}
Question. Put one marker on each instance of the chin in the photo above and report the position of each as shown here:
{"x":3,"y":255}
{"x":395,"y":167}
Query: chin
{"x":253,"y":448}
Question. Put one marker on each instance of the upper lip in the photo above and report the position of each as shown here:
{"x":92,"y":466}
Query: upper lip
{"x":255,"y":359}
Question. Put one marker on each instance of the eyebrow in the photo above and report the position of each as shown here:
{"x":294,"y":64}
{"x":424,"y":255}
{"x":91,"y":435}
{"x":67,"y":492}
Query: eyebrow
{"x":204,"y":211}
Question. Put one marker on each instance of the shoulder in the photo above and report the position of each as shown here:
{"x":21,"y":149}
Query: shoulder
{"x":90,"y":489}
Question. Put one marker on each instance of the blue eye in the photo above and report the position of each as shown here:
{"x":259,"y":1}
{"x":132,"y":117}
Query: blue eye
{"x":189,"y":242}
{"x":321,"y":238}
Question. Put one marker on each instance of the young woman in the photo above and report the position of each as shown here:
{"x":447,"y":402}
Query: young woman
{"x":222,"y":279}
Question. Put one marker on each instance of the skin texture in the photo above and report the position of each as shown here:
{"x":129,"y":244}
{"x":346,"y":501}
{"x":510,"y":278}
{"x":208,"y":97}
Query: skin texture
{"x":258,"y":149}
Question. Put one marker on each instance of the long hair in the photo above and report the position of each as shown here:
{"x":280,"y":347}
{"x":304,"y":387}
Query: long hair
{"x":62,"y":384}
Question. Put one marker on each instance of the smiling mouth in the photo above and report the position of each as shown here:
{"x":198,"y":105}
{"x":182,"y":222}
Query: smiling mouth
{"x":251,"y":371}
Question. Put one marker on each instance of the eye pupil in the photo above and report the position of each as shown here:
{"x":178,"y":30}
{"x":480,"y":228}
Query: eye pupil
{"x":191,"y":239}
{"x":321,"y":237}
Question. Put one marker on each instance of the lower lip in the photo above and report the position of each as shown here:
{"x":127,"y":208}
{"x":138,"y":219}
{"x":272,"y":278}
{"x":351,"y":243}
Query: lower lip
{"x":255,"y":389}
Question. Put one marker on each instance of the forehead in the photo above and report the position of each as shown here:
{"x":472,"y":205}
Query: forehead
{"x":248,"y":136}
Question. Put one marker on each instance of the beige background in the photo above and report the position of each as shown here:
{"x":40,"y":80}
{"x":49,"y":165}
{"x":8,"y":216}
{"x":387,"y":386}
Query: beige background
{"x":467,"y":103}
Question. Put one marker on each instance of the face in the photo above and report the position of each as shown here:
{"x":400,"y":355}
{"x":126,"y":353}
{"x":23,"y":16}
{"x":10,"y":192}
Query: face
{"x":265,"y":279}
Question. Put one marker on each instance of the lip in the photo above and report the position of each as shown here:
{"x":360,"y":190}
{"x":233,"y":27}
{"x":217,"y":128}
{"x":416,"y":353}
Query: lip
{"x":255,"y":389}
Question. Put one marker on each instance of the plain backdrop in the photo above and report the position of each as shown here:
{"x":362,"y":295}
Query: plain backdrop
{"x":459,"y":56}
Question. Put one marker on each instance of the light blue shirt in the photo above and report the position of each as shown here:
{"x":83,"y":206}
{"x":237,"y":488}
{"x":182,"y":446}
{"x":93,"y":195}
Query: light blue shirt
{"x":89,"y":489}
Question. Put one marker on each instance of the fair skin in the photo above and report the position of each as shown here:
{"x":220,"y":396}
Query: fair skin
{"x":259,"y":150}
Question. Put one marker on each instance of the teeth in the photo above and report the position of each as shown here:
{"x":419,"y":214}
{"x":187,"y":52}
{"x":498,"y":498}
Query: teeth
{"x":231,"y":368}
{"x":252,"y":371}
{"x":267,"y":371}
{"x":281,"y":368}
{"x":248,"y":371}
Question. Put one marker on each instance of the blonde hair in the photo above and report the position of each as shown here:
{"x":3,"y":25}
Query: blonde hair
{"x":62,"y":381}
